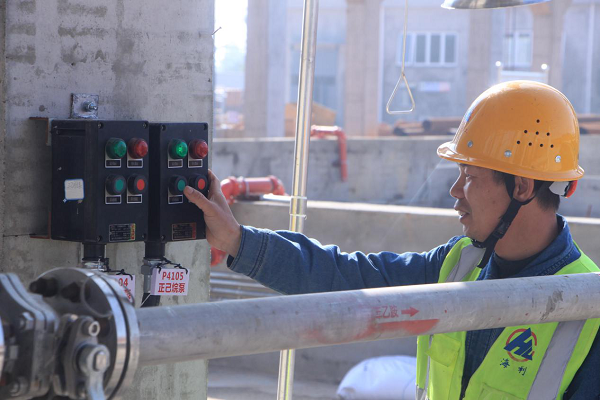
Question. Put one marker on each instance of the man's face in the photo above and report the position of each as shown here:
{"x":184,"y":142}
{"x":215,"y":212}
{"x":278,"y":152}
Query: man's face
{"x":480,"y":200}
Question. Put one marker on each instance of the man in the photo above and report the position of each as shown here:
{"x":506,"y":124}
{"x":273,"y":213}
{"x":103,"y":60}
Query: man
{"x":517,"y":149}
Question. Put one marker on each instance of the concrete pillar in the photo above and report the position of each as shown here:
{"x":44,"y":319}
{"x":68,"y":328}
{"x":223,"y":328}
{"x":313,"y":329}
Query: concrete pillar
{"x":548,"y":38}
{"x":266,"y":77}
{"x":480,"y":35}
{"x":146,"y":60}
{"x":362,"y":67}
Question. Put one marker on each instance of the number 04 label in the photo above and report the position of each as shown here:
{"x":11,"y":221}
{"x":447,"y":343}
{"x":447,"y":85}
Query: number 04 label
{"x":170,"y":281}
{"x":127,"y":282}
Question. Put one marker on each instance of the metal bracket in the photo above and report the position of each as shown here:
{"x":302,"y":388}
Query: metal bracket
{"x":84,"y":106}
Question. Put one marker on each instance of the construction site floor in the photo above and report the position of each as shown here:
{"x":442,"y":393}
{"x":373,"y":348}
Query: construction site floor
{"x":237,"y":384}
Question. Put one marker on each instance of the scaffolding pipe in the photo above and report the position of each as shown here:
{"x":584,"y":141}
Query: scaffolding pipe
{"x":308,"y":50}
{"x":231,"y":328}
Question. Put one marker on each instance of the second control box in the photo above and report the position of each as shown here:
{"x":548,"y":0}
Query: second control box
{"x":178,"y":158}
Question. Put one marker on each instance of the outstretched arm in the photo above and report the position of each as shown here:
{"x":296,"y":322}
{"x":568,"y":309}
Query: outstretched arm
{"x":291,"y":263}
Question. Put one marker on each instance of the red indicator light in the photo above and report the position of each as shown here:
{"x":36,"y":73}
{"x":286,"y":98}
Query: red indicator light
{"x":201,"y":184}
{"x":141,"y":185}
{"x":198,"y":148}
{"x":138,"y":148}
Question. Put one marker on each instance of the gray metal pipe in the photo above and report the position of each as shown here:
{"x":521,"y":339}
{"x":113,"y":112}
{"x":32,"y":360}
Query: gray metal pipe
{"x":230,"y":328}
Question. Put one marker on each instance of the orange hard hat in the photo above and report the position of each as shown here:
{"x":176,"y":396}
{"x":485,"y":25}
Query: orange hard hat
{"x":522,"y":128}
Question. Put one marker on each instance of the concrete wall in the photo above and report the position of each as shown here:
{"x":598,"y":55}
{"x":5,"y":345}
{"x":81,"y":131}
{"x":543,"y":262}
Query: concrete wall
{"x":146,"y":60}
{"x":403,"y":171}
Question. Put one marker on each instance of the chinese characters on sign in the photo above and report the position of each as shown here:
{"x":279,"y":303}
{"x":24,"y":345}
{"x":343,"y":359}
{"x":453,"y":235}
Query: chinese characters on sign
{"x":170,"y":281}
{"x":127,"y":282}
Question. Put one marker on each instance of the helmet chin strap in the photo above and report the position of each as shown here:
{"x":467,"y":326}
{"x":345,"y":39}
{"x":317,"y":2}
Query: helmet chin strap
{"x":511,"y":212}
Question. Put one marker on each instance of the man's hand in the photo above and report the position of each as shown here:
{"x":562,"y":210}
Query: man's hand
{"x":222,"y":230}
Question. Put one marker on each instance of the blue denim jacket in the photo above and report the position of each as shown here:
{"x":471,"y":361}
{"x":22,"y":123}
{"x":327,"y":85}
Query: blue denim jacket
{"x":291,"y":263}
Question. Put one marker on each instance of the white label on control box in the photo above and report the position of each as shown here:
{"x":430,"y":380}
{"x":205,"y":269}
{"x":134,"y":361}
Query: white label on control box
{"x":73,"y":189}
{"x":170,"y":281}
{"x":127,"y":282}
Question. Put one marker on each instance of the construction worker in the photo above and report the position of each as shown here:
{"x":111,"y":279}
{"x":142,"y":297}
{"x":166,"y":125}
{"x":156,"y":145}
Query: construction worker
{"x":517,"y":149}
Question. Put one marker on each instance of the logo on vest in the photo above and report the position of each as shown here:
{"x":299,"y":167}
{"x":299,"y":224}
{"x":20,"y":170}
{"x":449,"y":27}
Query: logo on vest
{"x":519,"y":345}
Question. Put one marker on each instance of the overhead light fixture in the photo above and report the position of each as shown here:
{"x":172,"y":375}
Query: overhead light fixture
{"x":473,"y":4}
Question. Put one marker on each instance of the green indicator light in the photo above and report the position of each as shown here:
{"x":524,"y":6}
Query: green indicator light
{"x":178,"y":149}
{"x":181,"y":185}
{"x":119,"y":185}
{"x":116,"y":148}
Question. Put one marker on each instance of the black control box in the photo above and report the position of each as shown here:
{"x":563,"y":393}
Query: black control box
{"x":100,"y":180}
{"x":178,"y":158}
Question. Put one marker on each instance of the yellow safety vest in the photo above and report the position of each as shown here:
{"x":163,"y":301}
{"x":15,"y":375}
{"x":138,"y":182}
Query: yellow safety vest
{"x":513,"y":368}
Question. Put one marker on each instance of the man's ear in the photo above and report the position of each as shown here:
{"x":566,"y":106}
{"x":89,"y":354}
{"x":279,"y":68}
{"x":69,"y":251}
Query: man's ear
{"x":524,"y":188}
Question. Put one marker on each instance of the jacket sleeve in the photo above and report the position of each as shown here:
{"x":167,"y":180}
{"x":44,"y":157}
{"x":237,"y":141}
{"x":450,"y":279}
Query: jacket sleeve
{"x":291,"y":263}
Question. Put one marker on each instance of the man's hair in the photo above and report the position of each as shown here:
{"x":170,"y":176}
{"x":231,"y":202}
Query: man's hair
{"x":546,"y":199}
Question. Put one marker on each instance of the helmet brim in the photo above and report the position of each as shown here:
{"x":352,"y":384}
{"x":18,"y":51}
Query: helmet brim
{"x":448,"y":151}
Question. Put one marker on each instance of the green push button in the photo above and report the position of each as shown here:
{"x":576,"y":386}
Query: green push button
{"x":115,"y":185}
{"x":177,"y":184}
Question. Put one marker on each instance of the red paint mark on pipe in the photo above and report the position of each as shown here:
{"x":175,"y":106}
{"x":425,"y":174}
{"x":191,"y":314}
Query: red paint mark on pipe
{"x":411,"y":327}
{"x":412,"y":311}
{"x":374,"y":331}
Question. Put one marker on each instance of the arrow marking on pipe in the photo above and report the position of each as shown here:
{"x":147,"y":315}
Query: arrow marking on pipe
{"x":412,"y":311}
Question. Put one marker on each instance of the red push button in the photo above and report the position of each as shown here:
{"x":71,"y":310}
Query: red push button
{"x":198,"y":149}
{"x":137,"y":148}
{"x":137,"y":184}
{"x":198,"y":182}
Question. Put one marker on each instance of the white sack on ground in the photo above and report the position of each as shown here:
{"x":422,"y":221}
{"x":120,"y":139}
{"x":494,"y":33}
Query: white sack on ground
{"x":380,"y":378}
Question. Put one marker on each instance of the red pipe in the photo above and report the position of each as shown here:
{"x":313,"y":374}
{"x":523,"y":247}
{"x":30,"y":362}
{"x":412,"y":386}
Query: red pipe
{"x":323,"y":131}
{"x":233,"y":187}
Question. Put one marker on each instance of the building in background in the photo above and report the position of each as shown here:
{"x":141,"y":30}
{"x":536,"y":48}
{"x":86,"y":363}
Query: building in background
{"x":451,"y":57}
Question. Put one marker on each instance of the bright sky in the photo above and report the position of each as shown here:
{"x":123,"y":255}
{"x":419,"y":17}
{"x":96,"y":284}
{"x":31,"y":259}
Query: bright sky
{"x":230,"y":16}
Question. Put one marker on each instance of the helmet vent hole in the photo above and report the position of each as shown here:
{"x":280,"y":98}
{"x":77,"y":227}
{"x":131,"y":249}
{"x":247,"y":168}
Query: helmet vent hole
{"x":537,"y":133}
{"x":530,"y":143}
{"x":518,"y":142}
{"x":541,"y":145}
{"x":551,"y":146}
{"x":538,"y":121}
{"x":525,"y":131}
{"x":547,"y":133}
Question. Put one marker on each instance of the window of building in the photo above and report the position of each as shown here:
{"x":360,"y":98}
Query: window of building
{"x":517,"y":49}
{"x":428,"y":49}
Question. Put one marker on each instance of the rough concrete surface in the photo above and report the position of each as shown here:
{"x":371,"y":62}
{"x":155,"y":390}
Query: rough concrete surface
{"x":389,"y":170}
{"x":146,"y":60}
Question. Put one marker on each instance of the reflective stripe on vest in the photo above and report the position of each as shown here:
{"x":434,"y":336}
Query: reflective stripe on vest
{"x":525,"y":362}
